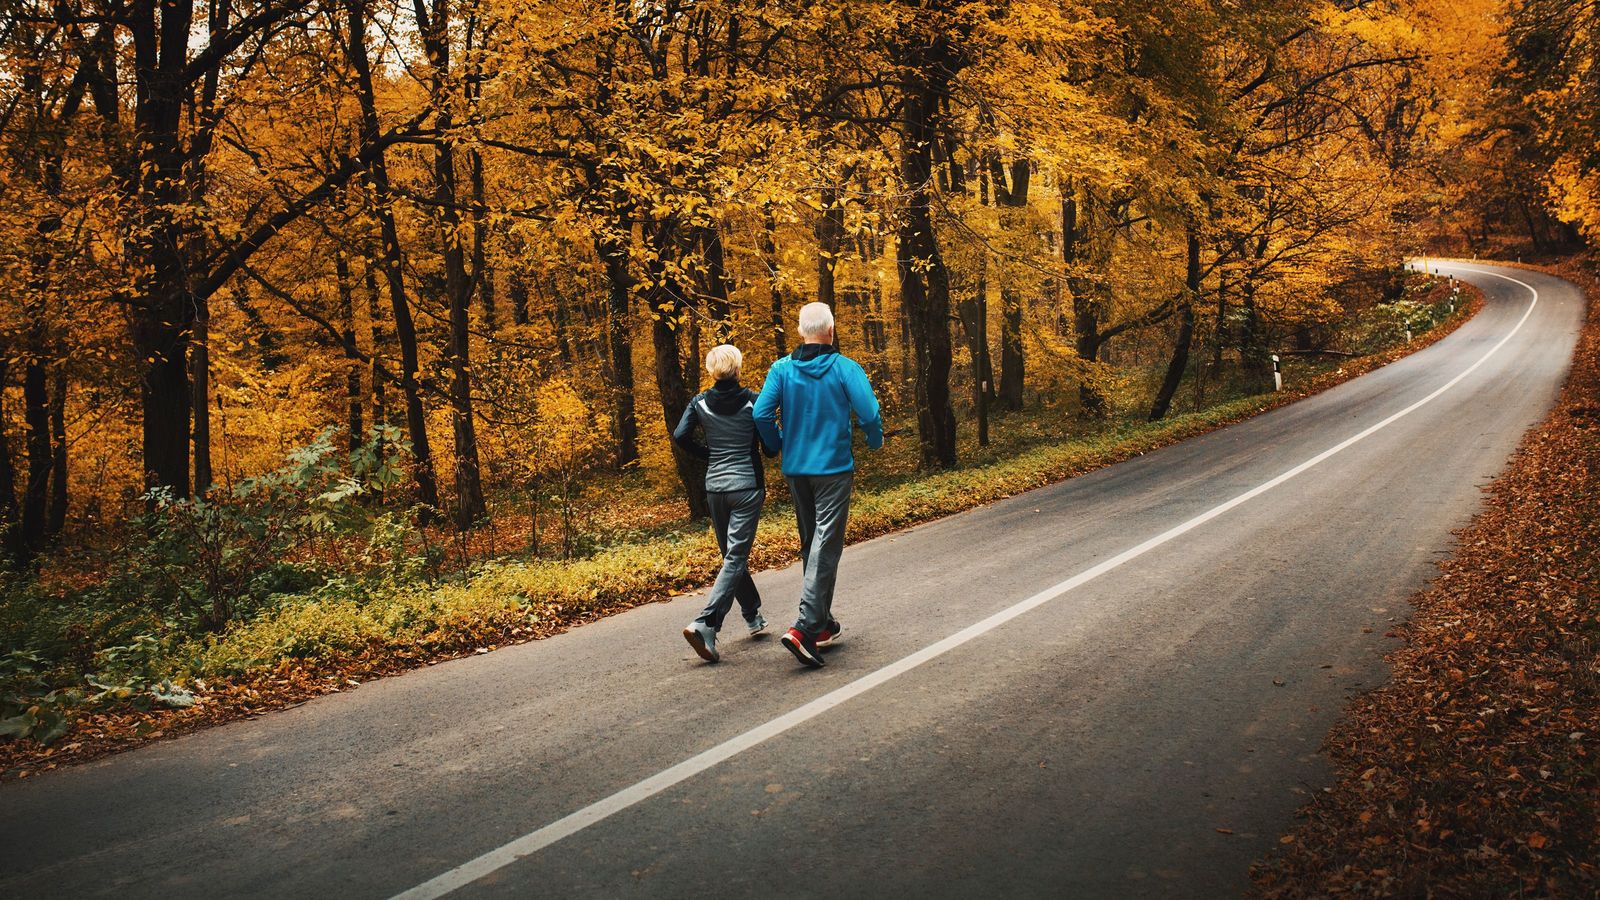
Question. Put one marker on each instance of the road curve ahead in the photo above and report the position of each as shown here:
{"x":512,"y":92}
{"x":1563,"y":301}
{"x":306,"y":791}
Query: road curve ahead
{"x":1115,"y":686}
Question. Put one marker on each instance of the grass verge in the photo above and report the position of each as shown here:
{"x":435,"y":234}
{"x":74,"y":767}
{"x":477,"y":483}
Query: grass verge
{"x":1475,"y":772}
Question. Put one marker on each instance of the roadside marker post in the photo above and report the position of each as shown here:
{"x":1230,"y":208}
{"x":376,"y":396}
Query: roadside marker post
{"x":1277,"y":374}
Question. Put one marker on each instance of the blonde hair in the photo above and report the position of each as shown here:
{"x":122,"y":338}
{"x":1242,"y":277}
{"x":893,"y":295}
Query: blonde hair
{"x":816,"y":320}
{"x":724,"y":361}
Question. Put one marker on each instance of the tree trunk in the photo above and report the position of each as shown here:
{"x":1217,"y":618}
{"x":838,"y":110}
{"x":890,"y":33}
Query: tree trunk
{"x":470,"y":507}
{"x":517,"y":293}
{"x":380,"y":342}
{"x":561,"y":316}
{"x":830,"y":240}
{"x":56,"y":522}
{"x":1011,"y":354}
{"x":353,"y":396}
{"x":982,"y":369}
{"x":908,"y":356}
{"x":1219,"y":335}
{"x":268,"y":342}
{"x":769,"y":259}
{"x":691,"y":366}
{"x":625,"y":425}
{"x":165,"y":401}
{"x":1533,"y":228}
{"x":669,"y":317}
{"x":1256,"y":359}
{"x":404,"y":327}
{"x":487,"y":299}
{"x":36,"y":411}
{"x":208,"y":115}
{"x":1180,"y":352}
{"x":41,"y":458}
{"x":1085,"y":307}
{"x":974,"y":311}
{"x":924,"y":281}
{"x":165,"y":314}
{"x":200,"y":374}
{"x":717,"y":283}
{"x":483,"y":275}
{"x":612,"y":242}
{"x":10,"y":527}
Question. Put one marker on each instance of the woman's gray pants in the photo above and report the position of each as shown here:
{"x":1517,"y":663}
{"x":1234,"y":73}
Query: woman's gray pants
{"x":734,"y":515}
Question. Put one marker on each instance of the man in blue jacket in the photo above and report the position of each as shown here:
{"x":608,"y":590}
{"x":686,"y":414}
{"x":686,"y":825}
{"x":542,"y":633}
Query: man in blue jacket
{"x":816,"y":389}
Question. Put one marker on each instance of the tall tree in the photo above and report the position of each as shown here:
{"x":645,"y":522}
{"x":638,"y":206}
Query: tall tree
{"x":434,"y":25}
{"x":392,"y":262}
{"x":927,"y":57}
{"x":1186,"y":318}
{"x":1012,"y":195}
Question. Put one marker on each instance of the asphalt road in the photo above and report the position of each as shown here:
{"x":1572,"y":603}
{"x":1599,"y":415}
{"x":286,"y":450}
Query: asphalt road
{"x":1113,"y":687}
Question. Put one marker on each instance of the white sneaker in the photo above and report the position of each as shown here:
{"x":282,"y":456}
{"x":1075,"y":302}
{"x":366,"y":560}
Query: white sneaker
{"x":703,"y":639}
{"x":757,"y":625}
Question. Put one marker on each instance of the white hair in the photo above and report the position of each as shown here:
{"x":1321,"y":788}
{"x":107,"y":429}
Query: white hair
{"x":724,"y":361}
{"x":816,"y":320}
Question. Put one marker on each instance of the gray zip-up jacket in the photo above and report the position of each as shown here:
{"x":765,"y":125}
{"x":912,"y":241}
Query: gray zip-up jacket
{"x":732,"y":448}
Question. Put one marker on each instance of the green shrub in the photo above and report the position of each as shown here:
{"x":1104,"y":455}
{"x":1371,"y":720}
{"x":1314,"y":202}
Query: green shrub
{"x":136,"y":672}
{"x":29,"y":706}
{"x":1384,"y":326}
{"x":213,"y":559}
{"x":202,"y":566}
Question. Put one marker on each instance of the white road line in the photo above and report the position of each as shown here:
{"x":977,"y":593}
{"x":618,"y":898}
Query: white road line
{"x":566,"y":826}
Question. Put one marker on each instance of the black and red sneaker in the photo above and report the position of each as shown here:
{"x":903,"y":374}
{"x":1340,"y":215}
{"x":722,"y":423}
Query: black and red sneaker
{"x":829,"y":634}
{"x":803,"y":648}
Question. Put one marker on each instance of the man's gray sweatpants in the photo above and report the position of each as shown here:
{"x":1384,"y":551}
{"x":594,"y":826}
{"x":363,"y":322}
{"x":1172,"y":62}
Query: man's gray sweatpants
{"x":821,"y":509}
{"x":734,"y":516}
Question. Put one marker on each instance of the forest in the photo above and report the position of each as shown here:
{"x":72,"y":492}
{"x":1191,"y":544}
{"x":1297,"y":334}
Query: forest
{"x":337,"y":334}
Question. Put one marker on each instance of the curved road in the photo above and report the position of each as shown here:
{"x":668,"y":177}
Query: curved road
{"x":1116,"y":686}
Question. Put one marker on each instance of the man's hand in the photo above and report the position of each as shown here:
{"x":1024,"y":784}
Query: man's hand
{"x":891,"y":432}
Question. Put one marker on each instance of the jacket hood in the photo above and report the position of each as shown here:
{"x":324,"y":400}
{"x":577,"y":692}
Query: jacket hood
{"x":727,"y":397}
{"x":815,"y":360}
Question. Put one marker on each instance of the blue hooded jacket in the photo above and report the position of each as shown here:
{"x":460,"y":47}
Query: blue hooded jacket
{"x":816,"y":389}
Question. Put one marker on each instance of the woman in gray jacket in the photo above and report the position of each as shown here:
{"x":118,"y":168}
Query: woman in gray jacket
{"x":735,"y":492}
